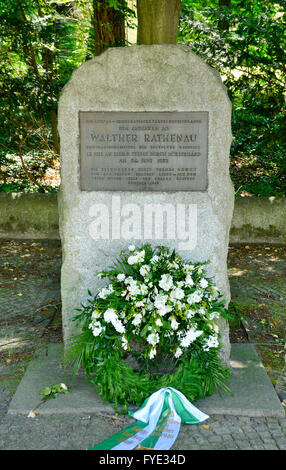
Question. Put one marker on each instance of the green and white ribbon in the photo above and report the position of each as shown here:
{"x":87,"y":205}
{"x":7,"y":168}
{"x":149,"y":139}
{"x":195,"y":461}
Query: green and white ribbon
{"x":158,"y":422}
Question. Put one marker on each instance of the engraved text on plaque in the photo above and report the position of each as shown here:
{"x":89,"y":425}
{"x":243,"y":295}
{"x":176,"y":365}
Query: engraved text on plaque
{"x":143,"y":151}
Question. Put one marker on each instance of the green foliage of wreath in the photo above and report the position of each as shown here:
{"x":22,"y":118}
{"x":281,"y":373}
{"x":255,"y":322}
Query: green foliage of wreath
{"x":157,"y":309}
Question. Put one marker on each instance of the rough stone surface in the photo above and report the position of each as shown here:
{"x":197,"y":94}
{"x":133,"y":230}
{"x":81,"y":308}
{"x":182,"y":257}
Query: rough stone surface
{"x":24,"y":215}
{"x":257,"y":219}
{"x":142,"y":78}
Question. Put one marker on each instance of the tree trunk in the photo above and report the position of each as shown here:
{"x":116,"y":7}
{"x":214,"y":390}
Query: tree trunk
{"x":55,"y":135}
{"x":223,"y":23}
{"x":108,"y":26}
{"x":158,"y":21}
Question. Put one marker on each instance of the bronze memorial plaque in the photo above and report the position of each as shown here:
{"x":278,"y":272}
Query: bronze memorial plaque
{"x":143,"y":151}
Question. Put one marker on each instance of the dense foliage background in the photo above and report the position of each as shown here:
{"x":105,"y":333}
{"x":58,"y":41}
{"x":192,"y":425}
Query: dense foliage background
{"x":43,"y":41}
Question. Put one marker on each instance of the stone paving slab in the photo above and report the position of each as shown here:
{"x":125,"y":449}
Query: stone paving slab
{"x":253,"y":393}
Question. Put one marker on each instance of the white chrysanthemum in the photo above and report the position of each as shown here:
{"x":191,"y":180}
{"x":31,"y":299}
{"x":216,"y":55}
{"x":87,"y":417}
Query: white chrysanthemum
{"x":160,"y":300}
{"x":211,"y":342}
{"x":105,"y":291}
{"x":110,"y":315}
{"x":132,"y":260}
{"x":194,"y":298}
{"x":174,"y":324}
{"x":154,"y":259}
{"x":121,"y":277}
{"x":204,"y":283}
{"x":131,"y":248}
{"x":164,"y":309}
{"x":96,"y":327}
{"x":153,"y":338}
{"x":178,"y":352}
{"x":141,"y":256}
{"x":177,"y":293}
{"x":120,"y":328}
{"x":166,"y":282}
{"x":137,"y":319}
{"x":133,"y":287}
{"x":191,"y":335}
{"x":144,"y":270}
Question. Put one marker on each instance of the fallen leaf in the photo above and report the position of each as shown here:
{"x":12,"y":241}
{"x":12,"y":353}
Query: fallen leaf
{"x":206,"y":426}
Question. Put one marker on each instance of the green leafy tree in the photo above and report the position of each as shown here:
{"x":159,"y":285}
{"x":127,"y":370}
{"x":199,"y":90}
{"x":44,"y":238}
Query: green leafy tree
{"x":245,"y":41}
{"x":42,"y":42}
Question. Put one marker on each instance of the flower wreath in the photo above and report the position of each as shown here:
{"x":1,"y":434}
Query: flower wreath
{"x":156,"y":309}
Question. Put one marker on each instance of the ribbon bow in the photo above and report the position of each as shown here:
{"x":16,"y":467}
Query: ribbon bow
{"x":158,"y":423}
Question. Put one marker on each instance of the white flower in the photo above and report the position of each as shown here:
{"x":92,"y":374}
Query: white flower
{"x":159,"y":322}
{"x":165,"y":309}
{"x":137,"y":319}
{"x":105,"y":291}
{"x":178,"y":352}
{"x":190,"y":313}
{"x":153,"y":338}
{"x":214,"y":327}
{"x":131,"y":248}
{"x":188,"y":267}
{"x":120,"y":328}
{"x":133,"y":287}
{"x":121,"y":277}
{"x":124,"y":343}
{"x":174,"y":324}
{"x":154,"y":259}
{"x":144,"y":289}
{"x":137,"y":258}
{"x":141,"y":256}
{"x":152,"y":353}
{"x":166,"y":282}
{"x":160,"y":300}
{"x":95,"y":315}
{"x":211,"y":342}
{"x":177,"y":293}
{"x":189,"y":280}
{"x":191,"y":335}
{"x":149,"y":305}
{"x":194,"y":298}
{"x":202,"y":311}
{"x":144,"y":270}
{"x":204,"y":283}
{"x":110,"y":315}
{"x":96,"y":327}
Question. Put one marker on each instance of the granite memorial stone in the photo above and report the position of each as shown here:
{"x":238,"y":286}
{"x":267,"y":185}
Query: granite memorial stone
{"x":145,"y":135}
